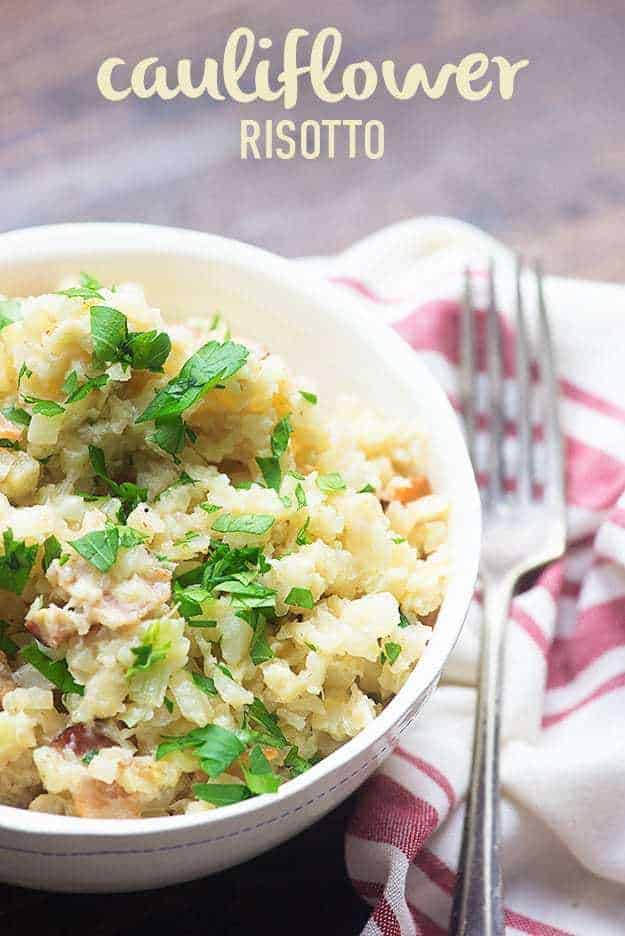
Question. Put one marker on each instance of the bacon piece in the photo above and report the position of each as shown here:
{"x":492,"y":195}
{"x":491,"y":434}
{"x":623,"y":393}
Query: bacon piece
{"x":9,"y":430}
{"x":411,"y":490}
{"x":80,"y":739}
{"x":97,"y":800}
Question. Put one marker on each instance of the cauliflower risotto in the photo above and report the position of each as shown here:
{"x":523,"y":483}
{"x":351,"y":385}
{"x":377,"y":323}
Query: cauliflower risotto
{"x":210,"y":579}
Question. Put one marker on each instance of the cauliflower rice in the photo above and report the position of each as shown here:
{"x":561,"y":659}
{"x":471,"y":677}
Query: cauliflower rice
{"x":210,"y":579}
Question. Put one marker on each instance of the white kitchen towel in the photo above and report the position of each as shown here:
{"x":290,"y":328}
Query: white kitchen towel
{"x":563,"y":736}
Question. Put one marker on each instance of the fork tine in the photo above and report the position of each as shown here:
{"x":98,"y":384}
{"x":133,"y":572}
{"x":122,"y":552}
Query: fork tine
{"x":495,"y":386}
{"x":554,"y":451}
{"x":525,"y":470}
{"x":467,"y":366}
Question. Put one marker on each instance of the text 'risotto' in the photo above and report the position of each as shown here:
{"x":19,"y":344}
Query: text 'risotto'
{"x":209,"y":578}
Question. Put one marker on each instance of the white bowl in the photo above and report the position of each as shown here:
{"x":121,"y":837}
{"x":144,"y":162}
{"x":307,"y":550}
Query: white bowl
{"x":322,"y":333}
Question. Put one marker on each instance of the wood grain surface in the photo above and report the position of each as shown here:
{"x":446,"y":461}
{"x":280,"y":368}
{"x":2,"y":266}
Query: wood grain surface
{"x":544,"y":171}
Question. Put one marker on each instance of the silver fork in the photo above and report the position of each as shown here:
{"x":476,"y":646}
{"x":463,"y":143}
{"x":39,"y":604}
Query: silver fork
{"x":521,"y":533}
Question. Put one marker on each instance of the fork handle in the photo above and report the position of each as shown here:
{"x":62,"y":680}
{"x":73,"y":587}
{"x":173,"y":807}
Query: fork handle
{"x":478,"y":899}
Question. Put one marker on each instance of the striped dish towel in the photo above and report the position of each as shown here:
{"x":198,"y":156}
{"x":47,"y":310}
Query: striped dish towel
{"x":563,"y":735}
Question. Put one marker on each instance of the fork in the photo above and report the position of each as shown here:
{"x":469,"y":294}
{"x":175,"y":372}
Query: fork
{"x":522,"y":532}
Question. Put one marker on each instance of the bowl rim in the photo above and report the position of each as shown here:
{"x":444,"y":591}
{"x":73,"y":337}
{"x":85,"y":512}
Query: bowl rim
{"x":114,"y":237}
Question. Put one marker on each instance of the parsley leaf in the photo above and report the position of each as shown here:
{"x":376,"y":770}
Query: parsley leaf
{"x":248,"y":594}
{"x":215,"y":746}
{"x":130,"y":494}
{"x":45,"y":407}
{"x":243,"y":523}
{"x":205,"y":683}
{"x":51,"y":550}
{"x":280,"y":437}
{"x":17,"y":415}
{"x":153,"y":649}
{"x":109,"y":331}
{"x":391,"y":651}
{"x":300,"y":495}
{"x":56,"y":671}
{"x":260,"y":651}
{"x":100,"y":547}
{"x":367,"y":489}
{"x":213,"y":363}
{"x":302,"y":538}
{"x":271,"y":471}
{"x":169,"y":435}
{"x":81,"y":292}
{"x":300,"y":597}
{"x":10,"y":311}
{"x":258,"y":716}
{"x":330,"y":483}
{"x":403,"y":620}
{"x":88,"y":757}
{"x":309,"y":397}
{"x":16,"y":564}
{"x":148,"y":350}
{"x":89,"y":281}
{"x":296,"y":763}
{"x":221,"y":794}
{"x":259,"y":776}
{"x":7,"y":645}
{"x":76,"y":391}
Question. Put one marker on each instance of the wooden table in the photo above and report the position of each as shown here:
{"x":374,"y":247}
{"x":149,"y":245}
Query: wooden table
{"x":544,"y":171}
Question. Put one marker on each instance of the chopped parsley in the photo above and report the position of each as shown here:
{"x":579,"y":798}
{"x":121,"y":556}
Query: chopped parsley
{"x":7,"y":645}
{"x":216,"y":747}
{"x":169,"y":705}
{"x":271,"y":471}
{"x":56,"y":671}
{"x":148,"y":350}
{"x":17,"y":415}
{"x":89,"y":756}
{"x":89,"y":281}
{"x":10,"y":311}
{"x":170,"y":436}
{"x":302,"y":538}
{"x":81,"y":292}
{"x":280,"y":437}
{"x":260,"y":651}
{"x":113,"y":343}
{"x":391,"y":652}
{"x":16,"y":563}
{"x":258,"y":717}
{"x":300,"y":495}
{"x":213,"y":363}
{"x":300,"y":597}
{"x":403,"y":620}
{"x":205,"y":683}
{"x":210,"y":508}
{"x":100,"y":547}
{"x":399,"y":539}
{"x":296,"y":763}
{"x":128,"y":493}
{"x":309,"y":397}
{"x":44,"y":407}
{"x":258,"y":775}
{"x":331,"y":483}
{"x":367,"y":489}
{"x":221,"y":794}
{"x":51,"y":551}
{"x":243,"y":523}
{"x":153,"y":649}
{"x":76,"y":391}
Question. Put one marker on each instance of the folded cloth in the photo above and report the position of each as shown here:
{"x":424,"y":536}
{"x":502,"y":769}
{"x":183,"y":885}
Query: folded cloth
{"x":563,"y":742}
